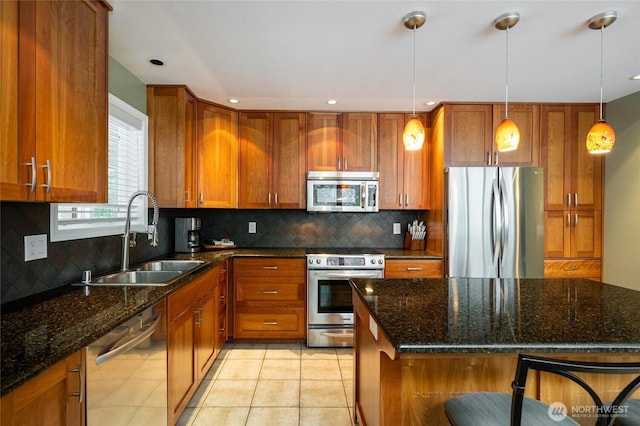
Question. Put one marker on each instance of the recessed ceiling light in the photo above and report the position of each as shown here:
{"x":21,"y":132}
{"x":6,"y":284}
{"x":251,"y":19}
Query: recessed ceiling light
{"x":635,"y":77}
{"x":156,"y":61}
{"x":332,"y":102}
{"x":430,"y":103}
{"x":233,"y":101}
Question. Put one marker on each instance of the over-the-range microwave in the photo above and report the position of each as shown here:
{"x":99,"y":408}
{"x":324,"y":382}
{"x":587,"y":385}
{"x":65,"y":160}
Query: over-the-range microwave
{"x":342,"y":191}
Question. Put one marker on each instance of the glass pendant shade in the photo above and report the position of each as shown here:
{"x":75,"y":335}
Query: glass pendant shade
{"x":507,"y":136}
{"x":413,"y":135}
{"x":600,"y":138}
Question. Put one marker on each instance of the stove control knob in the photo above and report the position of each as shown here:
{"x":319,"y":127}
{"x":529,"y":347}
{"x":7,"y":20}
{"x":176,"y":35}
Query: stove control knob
{"x":373,"y":261}
{"x":310,"y":261}
{"x":380,"y":261}
{"x":318,"y":261}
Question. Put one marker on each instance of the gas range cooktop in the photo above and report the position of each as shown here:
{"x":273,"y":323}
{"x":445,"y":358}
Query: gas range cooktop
{"x":343,"y":251}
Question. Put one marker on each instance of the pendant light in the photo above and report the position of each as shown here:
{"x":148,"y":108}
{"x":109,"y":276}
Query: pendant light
{"x":601,"y":136}
{"x":507,"y":133}
{"x":413,"y":134}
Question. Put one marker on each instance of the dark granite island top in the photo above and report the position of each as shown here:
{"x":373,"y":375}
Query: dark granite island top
{"x":506,"y":315}
{"x":420,"y":342}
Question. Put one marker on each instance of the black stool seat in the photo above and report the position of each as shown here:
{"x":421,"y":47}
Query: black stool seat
{"x":494,"y":409}
{"x":631,"y":417}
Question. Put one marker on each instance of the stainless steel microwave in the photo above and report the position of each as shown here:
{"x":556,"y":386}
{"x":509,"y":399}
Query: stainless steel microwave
{"x":342,"y":191}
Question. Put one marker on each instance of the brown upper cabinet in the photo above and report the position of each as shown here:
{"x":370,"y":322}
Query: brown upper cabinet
{"x":469,"y":133}
{"x":272,"y":160}
{"x":217,"y":156}
{"x":403,"y":174}
{"x":54,"y":145}
{"x":172,"y":145}
{"x":342,"y":142}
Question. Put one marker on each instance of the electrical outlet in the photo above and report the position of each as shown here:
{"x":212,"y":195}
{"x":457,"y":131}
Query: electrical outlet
{"x":252,"y":227}
{"x":35,"y":247}
{"x":396,"y":229}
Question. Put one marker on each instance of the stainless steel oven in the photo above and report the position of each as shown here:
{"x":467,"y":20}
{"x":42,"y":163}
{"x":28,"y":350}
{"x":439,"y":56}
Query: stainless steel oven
{"x":329,"y":306}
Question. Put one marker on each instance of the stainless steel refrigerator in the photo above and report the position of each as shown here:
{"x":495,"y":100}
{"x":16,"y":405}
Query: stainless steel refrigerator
{"x":495,"y":222}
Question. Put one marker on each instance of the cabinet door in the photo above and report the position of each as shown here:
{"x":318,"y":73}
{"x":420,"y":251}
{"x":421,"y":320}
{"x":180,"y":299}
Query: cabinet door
{"x":359,"y":142}
{"x":416,"y":176}
{"x":289,"y":154}
{"x":555,"y":129}
{"x":205,"y":334}
{"x":324,"y":142}
{"x":526,"y":117}
{"x":69,"y":120}
{"x":254,"y":182}
{"x":171,"y":111}
{"x":180,"y":364}
{"x":54,"y":397}
{"x":557,"y":233}
{"x":217,"y":156}
{"x":586,"y":168}
{"x":221,"y":310}
{"x":391,"y":161}
{"x":467,"y":135}
{"x":586,"y":233}
{"x":13,"y":174}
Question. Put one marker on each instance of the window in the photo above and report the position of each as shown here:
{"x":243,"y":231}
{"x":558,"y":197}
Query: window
{"x":127,"y":173}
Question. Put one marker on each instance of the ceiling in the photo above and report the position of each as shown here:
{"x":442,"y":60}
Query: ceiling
{"x":297,"y":54}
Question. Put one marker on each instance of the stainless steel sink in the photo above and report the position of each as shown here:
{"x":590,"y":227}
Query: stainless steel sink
{"x":170,"y":265}
{"x":139,"y":278}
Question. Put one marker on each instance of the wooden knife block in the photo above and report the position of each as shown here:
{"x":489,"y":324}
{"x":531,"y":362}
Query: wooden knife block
{"x":410,"y":244}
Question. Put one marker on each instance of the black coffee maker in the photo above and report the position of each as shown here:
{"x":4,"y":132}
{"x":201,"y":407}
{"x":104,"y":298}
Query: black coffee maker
{"x":187,"y":234}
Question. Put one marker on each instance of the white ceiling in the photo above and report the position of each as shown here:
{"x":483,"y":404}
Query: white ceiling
{"x":296,"y":54}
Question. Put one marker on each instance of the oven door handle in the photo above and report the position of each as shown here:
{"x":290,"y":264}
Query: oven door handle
{"x":346,"y":275}
{"x":128,"y":342}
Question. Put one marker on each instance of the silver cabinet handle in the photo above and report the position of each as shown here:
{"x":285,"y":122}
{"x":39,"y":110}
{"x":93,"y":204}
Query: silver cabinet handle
{"x":80,"y":393}
{"x":270,"y":268}
{"x":199,"y":313}
{"x":269,"y":322}
{"x":568,"y":220}
{"x":339,"y":164}
{"x":575,"y":223}
{"x":201,"y":197}
{"x":568,"y":199}
{"x":488,"y":158}
{"x":187,"y":194}
{"x":276,"y":200}
{"x":406,"y":200}
{"x":47,"y":166}
{"x":269,"y":199}
{"x":400,"y":200}
{"x":575,"y":199}
{"x":270,"y":292}
{"x":222,"y":297}
{"x":34,"y":175}
{"x":496,"y":161}
{"x":413,"y":269}
{"x":568,"y":269}
{"x":346,"y":164}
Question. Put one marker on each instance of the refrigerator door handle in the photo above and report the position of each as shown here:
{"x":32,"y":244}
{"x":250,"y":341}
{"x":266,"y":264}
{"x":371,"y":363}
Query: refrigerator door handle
{"x":504,"y":224}
{"x":496,"y":222}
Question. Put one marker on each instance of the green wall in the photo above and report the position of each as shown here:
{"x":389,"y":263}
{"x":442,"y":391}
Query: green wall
{"x":126,"y":86}
{"x":622,"y":195}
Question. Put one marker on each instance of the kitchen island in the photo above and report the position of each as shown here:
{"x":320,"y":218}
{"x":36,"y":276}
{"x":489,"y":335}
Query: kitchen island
{"x":419,"y":342}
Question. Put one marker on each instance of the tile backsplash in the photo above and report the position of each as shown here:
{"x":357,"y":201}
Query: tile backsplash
{"x":274,"y":228}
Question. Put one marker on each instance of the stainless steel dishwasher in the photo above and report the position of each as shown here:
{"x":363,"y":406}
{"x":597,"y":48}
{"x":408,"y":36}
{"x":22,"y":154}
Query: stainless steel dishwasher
{"x":127,"y":372}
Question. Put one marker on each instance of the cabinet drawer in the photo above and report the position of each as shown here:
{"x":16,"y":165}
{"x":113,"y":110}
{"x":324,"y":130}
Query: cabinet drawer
{"x":572,"y":268}
{"x":413,"y":268}
{"x":269,"y":266}
{"x":269,"y":289}
{"x":289,"y":323}
{"x":181,"y":301}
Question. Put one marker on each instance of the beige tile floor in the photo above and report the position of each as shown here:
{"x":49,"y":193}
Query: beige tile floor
{"x":275,"y":384}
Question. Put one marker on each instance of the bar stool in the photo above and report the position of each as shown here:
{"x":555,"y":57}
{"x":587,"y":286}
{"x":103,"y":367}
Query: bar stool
{"x":631,"y":416}
{"x":495,"y":408}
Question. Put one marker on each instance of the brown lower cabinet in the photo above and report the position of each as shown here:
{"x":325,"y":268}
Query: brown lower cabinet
{"x":270,"y":298}
{"x":193,"y":337}
{"x":413,"y":268}
{"x":54,"y":397}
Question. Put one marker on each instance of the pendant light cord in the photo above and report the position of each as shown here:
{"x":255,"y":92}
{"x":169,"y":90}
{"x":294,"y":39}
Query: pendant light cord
{"x":414,"y":72}
{"x":506,"y":78}
{"x":601,"y":66}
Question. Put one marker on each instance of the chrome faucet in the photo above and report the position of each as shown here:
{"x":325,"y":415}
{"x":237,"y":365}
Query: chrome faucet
{"x":152,"y":231}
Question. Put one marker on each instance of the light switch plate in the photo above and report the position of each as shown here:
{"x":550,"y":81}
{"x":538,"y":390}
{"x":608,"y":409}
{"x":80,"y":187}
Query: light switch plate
{"x":35,"y":247}
{"x":396,"y":229}
{"x":252,"y":227}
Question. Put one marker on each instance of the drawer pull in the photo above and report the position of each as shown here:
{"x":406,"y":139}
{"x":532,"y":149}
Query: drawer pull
{"x":413,"y":269}
{"x":80,"y":393}
{"x":269,"y":322}
{"x":270,"y":292}
{"x":573,"y":268}
{"x":270,"y":268}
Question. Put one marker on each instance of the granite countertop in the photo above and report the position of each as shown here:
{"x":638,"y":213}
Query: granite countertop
{"x":39,"y":331}
{"x":485,"y":315}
